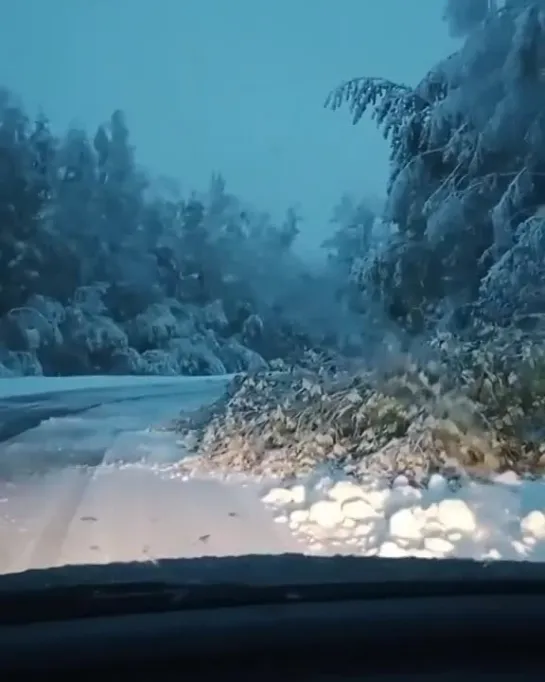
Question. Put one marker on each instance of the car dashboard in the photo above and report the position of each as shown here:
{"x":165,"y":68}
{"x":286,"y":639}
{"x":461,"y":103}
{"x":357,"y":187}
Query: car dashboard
{"x":485,"y":637}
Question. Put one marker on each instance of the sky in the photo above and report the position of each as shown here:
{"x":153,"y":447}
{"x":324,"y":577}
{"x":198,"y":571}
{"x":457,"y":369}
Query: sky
{"x":230,"y":86}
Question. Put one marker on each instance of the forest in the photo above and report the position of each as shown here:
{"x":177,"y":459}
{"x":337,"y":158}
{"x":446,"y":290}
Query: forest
{"x":103,"y":272}
{"x":428,"y":337}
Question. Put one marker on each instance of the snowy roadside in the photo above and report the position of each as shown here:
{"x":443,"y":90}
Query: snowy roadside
{"x":403,"y":473}
{"x":499,"y":520}
{"x":140,"y":505}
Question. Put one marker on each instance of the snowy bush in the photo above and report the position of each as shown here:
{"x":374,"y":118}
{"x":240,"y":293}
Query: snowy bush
{"x":238,"y":358}
{"x":160,"y":362}
{"x":152,"y":328}
{"x":21,"y":363}
{"x":127,"y":361}
{"x":470,"y":408}
{"x":194,"y":356}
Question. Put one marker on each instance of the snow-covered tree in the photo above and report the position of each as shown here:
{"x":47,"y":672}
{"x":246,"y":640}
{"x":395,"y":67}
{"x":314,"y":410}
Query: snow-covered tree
{"x":102,"y":272}
{"x":353,"y":222}
{"x":26,"y":150}
{"x":468,"y":158}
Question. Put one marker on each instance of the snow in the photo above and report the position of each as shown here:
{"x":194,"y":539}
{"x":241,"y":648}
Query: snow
{"x":37,"y":385}
{"x":324,"y":515}
{"x":503,"y":519}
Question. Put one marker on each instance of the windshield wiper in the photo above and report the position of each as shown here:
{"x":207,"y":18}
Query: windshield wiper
{"x":88,"y":601}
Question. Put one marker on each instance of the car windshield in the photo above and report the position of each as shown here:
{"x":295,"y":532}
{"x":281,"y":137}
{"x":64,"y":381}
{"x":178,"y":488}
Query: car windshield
{"x":272,"y":280}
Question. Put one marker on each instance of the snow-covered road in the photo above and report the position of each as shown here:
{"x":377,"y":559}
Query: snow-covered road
{"x":93,"y":484}
{"x":83,"y":479}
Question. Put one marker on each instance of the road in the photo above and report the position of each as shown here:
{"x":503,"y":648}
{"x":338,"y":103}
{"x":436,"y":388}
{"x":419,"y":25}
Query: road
{"x":84,"y":480}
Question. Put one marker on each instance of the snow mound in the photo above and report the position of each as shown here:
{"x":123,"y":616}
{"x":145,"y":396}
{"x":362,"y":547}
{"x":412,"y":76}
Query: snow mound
{"x":481,"y":521}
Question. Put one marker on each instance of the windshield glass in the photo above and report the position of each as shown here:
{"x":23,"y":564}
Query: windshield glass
{"x":272,"y":279}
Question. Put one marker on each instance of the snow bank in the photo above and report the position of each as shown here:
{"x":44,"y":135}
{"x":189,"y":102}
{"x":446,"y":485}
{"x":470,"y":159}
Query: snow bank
{"x":504,"y":519}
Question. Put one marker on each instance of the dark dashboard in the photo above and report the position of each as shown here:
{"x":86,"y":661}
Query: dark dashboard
{"x":338,"y":629}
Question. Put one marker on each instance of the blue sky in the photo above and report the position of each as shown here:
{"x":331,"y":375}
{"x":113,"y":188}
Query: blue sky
{"x":235,"y":86}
